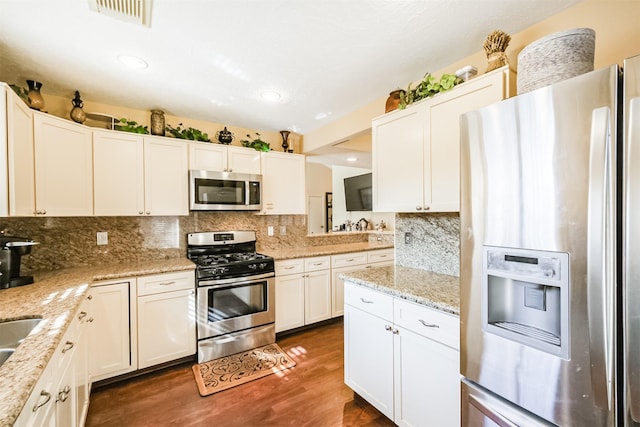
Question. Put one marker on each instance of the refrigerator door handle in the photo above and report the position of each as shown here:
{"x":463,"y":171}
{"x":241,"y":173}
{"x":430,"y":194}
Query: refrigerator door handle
{"x":599,"y":251}
{"x":497,"y":418}
{"x":631,"y":252}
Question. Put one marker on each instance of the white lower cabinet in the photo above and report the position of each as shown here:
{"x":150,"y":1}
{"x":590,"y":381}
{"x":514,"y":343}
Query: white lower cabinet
{"x":166,"y":318}
{"x":303,"y":292}
{"x":402,"y":357}
{"x":113,"y":341}
{"x":59,"y":397}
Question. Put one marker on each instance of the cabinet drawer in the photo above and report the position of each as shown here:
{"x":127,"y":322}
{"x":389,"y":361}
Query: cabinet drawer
{"x":166,"y":282}
{"x":368,"y":300}
{"x":317,"y":263}
{"x":380,"y":255}
{"x":430,"y":323}
{"x":289,"y":266}
{"x":344,"y":260}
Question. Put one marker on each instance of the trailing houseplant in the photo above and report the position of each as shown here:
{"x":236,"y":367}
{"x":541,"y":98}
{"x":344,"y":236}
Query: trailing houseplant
{"x":187,"y":133}
{"x":126,"y":125}
{"x":257,"y":143}
{"x":429,"y":86}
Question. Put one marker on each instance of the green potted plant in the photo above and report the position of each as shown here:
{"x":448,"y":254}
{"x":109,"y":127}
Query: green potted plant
{"x":429,"y":86}
{"x":257,"y":143}
{"x":187,"y":133}
{"x":127,"y":125}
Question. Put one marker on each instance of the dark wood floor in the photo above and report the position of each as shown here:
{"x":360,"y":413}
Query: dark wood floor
{"x":311,"y":394}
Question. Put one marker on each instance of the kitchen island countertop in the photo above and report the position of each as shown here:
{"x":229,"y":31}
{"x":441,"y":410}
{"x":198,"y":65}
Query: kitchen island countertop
{"x":311,"y":251}
{"x":439,"y":291}
{"x":55,"y":296}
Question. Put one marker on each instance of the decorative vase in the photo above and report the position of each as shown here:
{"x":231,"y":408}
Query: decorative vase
{"x":77,"y":113}
{"x":36,"y":101}
{"x":285,"y":139}
{"x":224,"y":136}
{"x":393,"y":100}
{"x":496,"y":60}
{"x":157,"y":122}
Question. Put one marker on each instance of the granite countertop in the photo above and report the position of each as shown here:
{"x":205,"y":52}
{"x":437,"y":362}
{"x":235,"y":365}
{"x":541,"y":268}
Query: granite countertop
{"x":438,"y":291}
{"x":55,"y":296}
{"x":310,"y":251}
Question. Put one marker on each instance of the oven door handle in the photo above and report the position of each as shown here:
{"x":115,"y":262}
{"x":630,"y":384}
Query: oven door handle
{"x":235,"y":280}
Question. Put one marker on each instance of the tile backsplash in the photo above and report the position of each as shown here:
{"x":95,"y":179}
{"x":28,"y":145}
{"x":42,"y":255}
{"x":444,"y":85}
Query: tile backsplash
{"x":435,"y":242}
{"x":71,"y":242}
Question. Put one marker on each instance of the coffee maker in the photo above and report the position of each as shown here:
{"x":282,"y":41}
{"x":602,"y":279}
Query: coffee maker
{"x":11,"y":251}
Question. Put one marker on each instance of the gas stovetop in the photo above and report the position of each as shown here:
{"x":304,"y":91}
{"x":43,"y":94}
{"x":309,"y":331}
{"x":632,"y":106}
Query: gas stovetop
{"x":226,"y":255}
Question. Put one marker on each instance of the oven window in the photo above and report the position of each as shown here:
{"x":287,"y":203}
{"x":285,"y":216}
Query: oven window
{"x":235,"y":301}
{"x":219,"y":191}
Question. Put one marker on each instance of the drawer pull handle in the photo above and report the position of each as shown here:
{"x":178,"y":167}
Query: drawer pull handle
{"x":366,"y":301}
{"x":63,"y":394}
{"x":290,"y":267}
{"x":428,"y":325}
{"x":350,"y":260}
{"x":67,"y":346}
{"x":317,"y":263}
{"x":82,"y":315}
{"x":47,"y":398}
{"x":369,"y":266}
{"x":167,"y":283}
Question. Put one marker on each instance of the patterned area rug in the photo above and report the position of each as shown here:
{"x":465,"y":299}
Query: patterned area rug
{"x":230,"y":371}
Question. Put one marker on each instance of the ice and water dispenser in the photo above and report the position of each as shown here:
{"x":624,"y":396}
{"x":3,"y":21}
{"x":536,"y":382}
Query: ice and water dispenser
{"x":526,"y":297}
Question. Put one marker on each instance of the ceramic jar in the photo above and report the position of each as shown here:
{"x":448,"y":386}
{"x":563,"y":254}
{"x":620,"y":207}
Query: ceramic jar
{"x":77,"y":114}
{"x":36,"y":101}
{"x":393,"y":101}
{"x":157,"y":122}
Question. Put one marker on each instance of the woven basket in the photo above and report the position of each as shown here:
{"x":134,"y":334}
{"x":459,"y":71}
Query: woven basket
{"x":556,"y":57}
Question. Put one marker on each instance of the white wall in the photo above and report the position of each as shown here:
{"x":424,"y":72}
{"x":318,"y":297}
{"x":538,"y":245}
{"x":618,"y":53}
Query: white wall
{"x":318,"y":179}
{"x":340,"y":214}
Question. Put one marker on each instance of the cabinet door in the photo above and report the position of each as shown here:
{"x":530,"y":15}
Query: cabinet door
{"x":368,"y":358}
{"x":118,"y":173}
{"x":207,"y":156}
{"x":337,"y":288}
{"x":166,"y":177}
{"x":283,"y":183}
{"x":427,"y":381}
{"x":65,"y":398}
{"x":398,"y":160}
{"x":289,"y":302}
{"x":166,"y":327}
{"x":442,"y":185}
{"x":112,"y":345}
{"x":243,"y":160}
{"x":21,"y":179}
{"x":64,"y":167}
{"x":317,"y":296}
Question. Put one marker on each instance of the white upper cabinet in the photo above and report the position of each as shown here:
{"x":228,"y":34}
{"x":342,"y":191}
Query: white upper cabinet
{"x":19,"y":183}
{"x":416,"y":151}
{"x":166,"y":176}
{"x":118,"y":173}
{"x":223,"y":158}
{"x":283,"y":183}
{"x":63,"y":167}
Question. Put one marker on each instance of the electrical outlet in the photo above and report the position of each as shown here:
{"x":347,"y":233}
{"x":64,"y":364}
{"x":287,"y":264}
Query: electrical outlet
{"x":408,"y":238}
{"x":283,"y":230}
{"x":270,"y":230}
{"x":102,"y":237}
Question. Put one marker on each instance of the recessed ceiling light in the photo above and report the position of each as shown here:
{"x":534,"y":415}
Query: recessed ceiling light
{"x":352,"y":159}
{"x":133,"y":61}
{"x":270,"y":95}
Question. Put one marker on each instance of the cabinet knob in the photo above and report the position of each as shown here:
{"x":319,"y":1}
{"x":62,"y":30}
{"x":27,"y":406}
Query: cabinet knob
{"x":230,"y":170}
{"x":426,"y":208}
{"x":90,"y":297}
{"x":140,"y":212}
{"x":90,"y":319}
{"x":148,"y":213}
{"x":418,"y":208}
{"x":387,"y":328}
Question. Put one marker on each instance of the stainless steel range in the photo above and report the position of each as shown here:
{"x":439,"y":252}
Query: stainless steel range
{"x":235,"y":301}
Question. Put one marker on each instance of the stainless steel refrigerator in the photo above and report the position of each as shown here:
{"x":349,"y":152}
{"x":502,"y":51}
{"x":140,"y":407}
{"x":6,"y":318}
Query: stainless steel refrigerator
{"x":550,"y":255}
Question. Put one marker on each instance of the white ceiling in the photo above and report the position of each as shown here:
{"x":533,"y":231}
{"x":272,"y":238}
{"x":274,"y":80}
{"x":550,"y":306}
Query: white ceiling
{"x":211,"y":59}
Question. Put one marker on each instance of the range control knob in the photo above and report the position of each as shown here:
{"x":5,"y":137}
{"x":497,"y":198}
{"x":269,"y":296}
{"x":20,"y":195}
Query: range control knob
{"x":262,"y":265}
{"x":253,"y":266}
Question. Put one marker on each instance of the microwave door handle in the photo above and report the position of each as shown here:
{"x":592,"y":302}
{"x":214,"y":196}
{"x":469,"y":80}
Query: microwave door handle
{"x":632,"y":252}
{"x":247,"y":196}
{"x":599,"y":251}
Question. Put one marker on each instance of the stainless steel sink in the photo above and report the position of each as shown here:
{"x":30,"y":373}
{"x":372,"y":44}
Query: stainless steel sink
{"x":13,"y":332}
{"x":4,"y":354}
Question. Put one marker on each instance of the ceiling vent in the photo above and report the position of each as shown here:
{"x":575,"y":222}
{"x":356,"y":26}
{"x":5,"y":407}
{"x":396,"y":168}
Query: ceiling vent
{"x":133,"y":11}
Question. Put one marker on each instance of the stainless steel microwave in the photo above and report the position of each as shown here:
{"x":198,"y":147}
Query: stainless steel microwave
{"x":224,"y":191}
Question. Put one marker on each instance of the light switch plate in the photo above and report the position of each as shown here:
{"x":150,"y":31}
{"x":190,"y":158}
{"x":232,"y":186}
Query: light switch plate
{"x":102,"y":237}
{"x":270,"y":230}
{"x":283,"y":230}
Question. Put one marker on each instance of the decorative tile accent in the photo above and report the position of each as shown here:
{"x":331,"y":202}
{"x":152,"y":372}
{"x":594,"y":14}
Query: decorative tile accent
{"x":435,"y":242}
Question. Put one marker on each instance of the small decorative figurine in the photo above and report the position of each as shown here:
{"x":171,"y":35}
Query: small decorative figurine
{"x":224,"y":136}
{"x":77,"y":113}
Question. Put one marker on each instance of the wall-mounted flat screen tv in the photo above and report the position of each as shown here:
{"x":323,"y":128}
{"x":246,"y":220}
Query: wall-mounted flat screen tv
{"x":357,"y":193}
